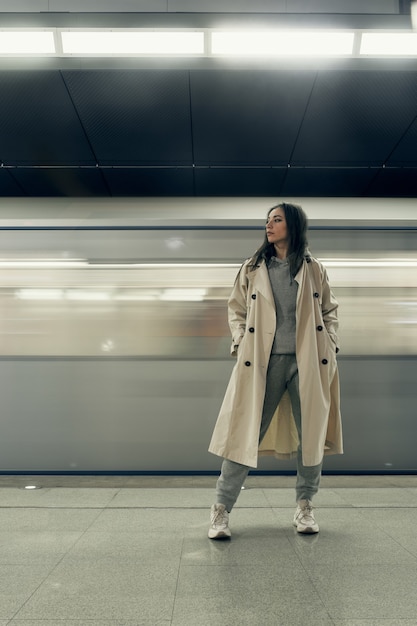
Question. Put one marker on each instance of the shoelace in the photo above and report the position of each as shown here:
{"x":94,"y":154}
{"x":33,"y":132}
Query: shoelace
{"x":306,"y":512}
{"x":219,"y":518}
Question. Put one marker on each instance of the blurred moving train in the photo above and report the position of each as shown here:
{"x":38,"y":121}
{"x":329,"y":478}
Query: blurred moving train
{"x":114,"y":343}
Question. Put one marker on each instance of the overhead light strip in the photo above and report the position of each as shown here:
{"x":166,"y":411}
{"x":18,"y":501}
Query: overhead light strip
{"x":267,"y":43}
{"x":282,"y":43}
{"x":131,"y":43}
{"x":389,"y":44}
{"x":27,"y":42}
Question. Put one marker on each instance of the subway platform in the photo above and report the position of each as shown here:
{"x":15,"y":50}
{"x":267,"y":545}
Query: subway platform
{"x":133,"y":551}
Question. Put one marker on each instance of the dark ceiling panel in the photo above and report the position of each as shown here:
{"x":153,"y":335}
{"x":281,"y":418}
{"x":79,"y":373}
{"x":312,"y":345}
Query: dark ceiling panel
{"x":235,"y":181}
{"x":392,"y":182}
{"x":333,"y":182}
{"x":406,"y":151}
{"x":214,"y":132}
{"x":134,"y":116}
{"x":170,"y":181}
{"x":247,"y":117}
{"x":8,"y":185}
{"x":68,"y":182}
{"x":38,"y":123}
{"x":356,"y":117}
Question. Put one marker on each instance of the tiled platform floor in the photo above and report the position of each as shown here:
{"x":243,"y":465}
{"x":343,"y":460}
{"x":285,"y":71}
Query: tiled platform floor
{"x":133,"y":551}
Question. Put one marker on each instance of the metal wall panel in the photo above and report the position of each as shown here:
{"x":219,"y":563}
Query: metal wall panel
{"x":400,"y":182}
{"x":344,"y":6}
{"x":202,"y":6}
{"x":405,"y":153}
{"x":247,"y":118}
{"x":235,"y":181}
{"x":134,"y":117}
{"x":150,"y":181}
{"x":24,"y":6}
{"x":356,"y":117}
{"x":108,"y":6}
{"x":80,"y":416}
{"x":56,"y":182}
{"x":8,"y":185}
{"x":314,"y":181}
{"x":39,"y":125}
{"x":227,"y":6}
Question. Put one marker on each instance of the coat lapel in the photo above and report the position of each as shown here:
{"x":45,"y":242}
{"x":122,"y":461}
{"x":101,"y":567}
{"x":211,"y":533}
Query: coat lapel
{"x":260,"y":280}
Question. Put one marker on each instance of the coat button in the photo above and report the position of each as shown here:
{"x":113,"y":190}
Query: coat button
{"x":319,"y":327}
{"x":251,"y":330}
{"x":247,"y":363}
{"x":253,"y":296}
{"x":324,"y":361}
{"x":316,"y":295}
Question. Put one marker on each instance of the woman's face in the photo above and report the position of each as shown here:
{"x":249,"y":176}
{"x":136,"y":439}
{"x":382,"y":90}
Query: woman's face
{"x":276,"y":227}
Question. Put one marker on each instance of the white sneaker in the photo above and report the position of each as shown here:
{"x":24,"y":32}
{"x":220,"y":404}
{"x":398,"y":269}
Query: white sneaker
{"x":219,"y":523}
{"x":304,"y":518}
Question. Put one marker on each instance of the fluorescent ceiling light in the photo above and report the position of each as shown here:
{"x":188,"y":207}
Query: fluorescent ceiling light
{"x":282,"y":43}
{"x":42,"y":264}
{"x":39,"y":294}
{"x":26,"y":42}
{"x":248,"y":44}
{"x":389,"y":44}
{"x":184,"y":294}
{"x":131,"y":43}
{"x":369,"y":262}
{"x":93,"y":296}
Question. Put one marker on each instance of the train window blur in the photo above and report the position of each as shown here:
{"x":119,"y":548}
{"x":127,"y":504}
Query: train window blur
{"x":164,"y":293}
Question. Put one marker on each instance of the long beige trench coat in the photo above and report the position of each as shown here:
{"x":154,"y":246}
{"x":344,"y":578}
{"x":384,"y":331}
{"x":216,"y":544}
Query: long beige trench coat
{"x":252,"y":320}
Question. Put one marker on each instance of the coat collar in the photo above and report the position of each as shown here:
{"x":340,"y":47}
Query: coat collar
{"x":260,"y":280}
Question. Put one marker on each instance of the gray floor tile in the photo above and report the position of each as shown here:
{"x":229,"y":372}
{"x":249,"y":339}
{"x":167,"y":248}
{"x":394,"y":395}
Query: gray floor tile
{"x":247,"y":522}
{"x":47,"y":519}
{"x":58,"y":497}
{"x":17,"y":584}
{"x":346,"y":537}
{"x":144,"y":520}
{"x":253,"y":498}
{"x":380,"y":497}
{"x":251,"y":618}
{"x":385,"y":591}
{"x":280,"y":497}
{"x":30,"y":547}
{"x":259,"y":481}
{"x":286,"y":498}
{"x":83,"y":622}
{"x":404,"y":481}
{"x":240,"y":594}
{"x":162,"y":498}
{"x":362,"y":481}
{"x":399,"y":524}
{"x":412,"y":492}
{"x":72,"y":554}
{"x":149,"y":548}
{"x":375,"y":622}
{"x":107,"y":590}
{"x":265,"y":549}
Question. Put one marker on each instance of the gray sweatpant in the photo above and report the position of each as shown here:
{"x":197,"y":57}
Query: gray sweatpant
{"x":282,"y":374}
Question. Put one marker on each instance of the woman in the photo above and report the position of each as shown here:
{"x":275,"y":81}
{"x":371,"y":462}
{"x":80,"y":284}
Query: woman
{"x":283,"y":394}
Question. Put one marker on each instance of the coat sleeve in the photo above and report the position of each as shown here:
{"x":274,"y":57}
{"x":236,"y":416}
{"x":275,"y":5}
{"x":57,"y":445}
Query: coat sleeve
{"x":329,"y":307}
{"x":237,"y":309}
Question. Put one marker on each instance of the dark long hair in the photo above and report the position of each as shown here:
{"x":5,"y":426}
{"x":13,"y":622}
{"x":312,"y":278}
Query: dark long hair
{"x":297,"y":224}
